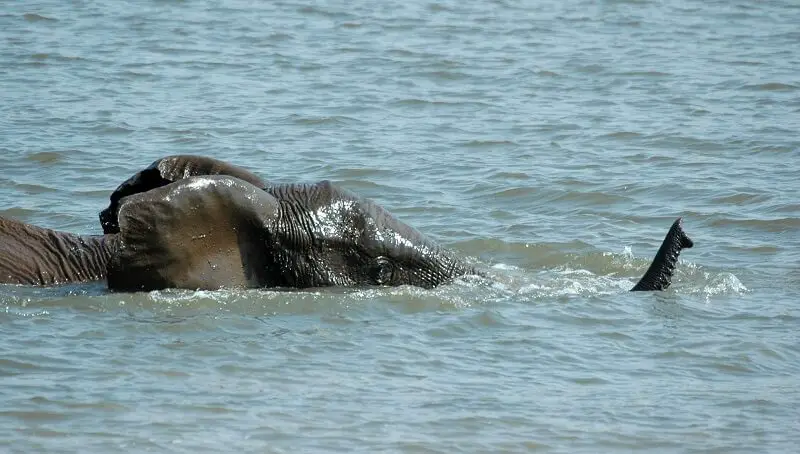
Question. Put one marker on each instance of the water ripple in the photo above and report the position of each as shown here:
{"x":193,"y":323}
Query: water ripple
{"x":551,"y":143}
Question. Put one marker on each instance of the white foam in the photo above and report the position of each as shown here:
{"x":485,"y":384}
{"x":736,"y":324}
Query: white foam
{"x":723,"y":283}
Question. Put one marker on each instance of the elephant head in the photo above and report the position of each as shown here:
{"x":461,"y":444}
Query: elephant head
{"x":38,"y":256}
{"x":221,"y":231}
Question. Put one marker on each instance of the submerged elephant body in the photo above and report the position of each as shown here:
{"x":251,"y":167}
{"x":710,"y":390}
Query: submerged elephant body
{"x":199,"y":223}
{"x":32,"y":255}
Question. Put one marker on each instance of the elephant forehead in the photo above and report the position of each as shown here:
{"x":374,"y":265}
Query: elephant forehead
{"x":205,"y":182}
{"x":184,"y":166}
{"x":329,"y":212}
{"x":395,"y":233}
{"x":222,"y":182}
{"x":340,"y":217}
{"x":217,"y":196}
{"x":195,"y":185}
{"x":363,"y":221}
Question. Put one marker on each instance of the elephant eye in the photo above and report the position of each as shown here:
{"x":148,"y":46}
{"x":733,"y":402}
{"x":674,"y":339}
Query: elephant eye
{"x":383,"y":271}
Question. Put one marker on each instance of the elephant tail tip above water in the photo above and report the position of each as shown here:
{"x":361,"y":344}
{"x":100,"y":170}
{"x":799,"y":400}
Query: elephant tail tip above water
{"x":659,"y":274}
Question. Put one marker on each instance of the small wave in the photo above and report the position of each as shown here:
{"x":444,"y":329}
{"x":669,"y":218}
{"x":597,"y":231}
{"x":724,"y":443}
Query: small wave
{"x":588,"y":273}
{"x":45,"y":157}
{"x":505,"y":176}
{"x":321,"y":120}
{"x":35,"y":417}
{"x":590,"y":198}
{"x":512,"y":193}
{"x":280,"y":36}
{"x":488,"y":143}
{"x":707,"y":283}
{"x":745,"y":63}
{"x":424,"y":102}
{"x":17,"y":212}
{"x":35,"y":188}
{"x":19,"y":310}
{"x":574,"y":282}
{"x":133,"y":74}
{"x":261,"y":302}
{"x":546,"y":73}
{"x":784,"y":208}
{"x":673,"y":141}
{"x":114,"y":129}
{"x":567,"y":281}
{"x":621,"y":135}
{"x":571,"y":275}
{"x":442,"y":75}
{"x":646,"y":74}
{"x":590,"y":69}
{"x":741,"y":198}
{"x":759,"y":148}
{"x":33,"y":17}
{"x":724,"y":283}
{"x":558,"y":275}
{"x":318,"y":11}
{"x":767,"y":225}
{"x":439,"y":7}
{"x":770,"y":86}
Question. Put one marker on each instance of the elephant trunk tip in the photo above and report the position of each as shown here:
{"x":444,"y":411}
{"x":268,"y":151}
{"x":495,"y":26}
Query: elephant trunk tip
{"x":677,"y":226}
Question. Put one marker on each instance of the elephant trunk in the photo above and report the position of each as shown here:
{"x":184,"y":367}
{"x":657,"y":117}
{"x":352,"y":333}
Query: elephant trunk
{"x":36,"y":256}
{"x":659,"y":275}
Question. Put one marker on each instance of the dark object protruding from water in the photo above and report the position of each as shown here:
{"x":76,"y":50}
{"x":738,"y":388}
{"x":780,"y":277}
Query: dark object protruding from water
{"x":659,"y":275}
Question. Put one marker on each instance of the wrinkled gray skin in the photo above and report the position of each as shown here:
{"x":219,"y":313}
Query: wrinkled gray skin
{"x":32,"y":255}
{"x":198,"y":223}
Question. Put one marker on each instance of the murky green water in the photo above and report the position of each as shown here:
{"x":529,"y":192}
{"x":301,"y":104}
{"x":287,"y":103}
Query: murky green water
{"x":553,"y":142}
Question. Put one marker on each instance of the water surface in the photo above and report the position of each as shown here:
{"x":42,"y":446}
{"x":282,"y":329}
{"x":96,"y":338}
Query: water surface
{"x":552,"y":143}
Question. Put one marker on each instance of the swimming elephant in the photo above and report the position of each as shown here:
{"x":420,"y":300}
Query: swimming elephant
{"x":198,"y":223}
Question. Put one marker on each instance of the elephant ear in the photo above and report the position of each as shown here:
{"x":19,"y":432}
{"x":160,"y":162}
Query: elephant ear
{"x":197,"y":233}
{"x":165,"y":171}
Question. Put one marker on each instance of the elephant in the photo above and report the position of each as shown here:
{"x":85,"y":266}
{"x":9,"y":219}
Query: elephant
{"x":198,"y":223}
